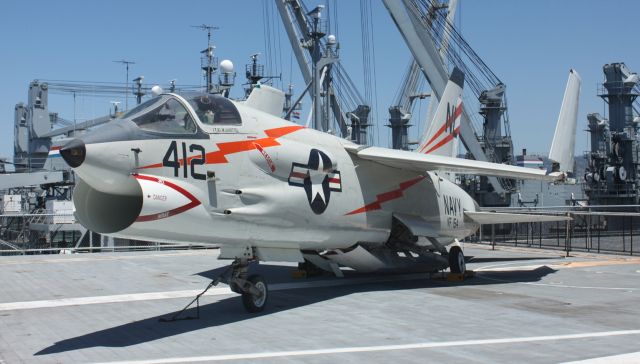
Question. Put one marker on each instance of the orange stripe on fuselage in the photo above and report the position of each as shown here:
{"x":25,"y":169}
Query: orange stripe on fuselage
{"x":224,"y":149}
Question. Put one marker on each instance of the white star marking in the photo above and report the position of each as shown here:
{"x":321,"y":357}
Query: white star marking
{"x":316,"y":177}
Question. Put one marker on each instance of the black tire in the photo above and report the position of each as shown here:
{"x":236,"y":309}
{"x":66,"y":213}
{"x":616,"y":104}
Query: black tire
{"x":252,"y":303}
{"x":456,"y":260}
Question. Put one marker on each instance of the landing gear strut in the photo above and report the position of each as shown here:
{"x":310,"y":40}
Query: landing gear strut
{"x":254,"y":289}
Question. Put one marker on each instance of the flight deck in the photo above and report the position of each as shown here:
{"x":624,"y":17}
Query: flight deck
{"x":522,"y":303}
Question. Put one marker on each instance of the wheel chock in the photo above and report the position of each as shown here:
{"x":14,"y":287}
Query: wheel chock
{"x":299,"y":273}
{"x":455,"y":277}
{"x":459,"y":277}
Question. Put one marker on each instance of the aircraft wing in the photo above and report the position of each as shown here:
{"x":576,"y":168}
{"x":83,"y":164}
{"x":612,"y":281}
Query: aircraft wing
{"x":486,"y":218}
{"x":427,"y":162}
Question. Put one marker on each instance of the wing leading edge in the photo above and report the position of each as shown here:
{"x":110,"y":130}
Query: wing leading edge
{"x":426,"y":162}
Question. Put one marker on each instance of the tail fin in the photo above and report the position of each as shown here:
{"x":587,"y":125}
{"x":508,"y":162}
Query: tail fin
{"x":441,"y":136}
{"x":564,"y":139}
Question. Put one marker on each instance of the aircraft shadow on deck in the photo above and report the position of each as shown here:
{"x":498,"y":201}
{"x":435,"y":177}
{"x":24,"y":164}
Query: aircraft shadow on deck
{"x":504,"y":259}
{"x":229,"y":310}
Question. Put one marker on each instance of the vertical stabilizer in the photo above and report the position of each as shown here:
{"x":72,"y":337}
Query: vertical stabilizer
{"x":564,"y":139}
{"x":441,"y":135}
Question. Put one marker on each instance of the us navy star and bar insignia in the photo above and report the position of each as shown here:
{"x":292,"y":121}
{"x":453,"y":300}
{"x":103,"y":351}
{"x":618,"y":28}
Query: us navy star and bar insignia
{"x":318,"y":178}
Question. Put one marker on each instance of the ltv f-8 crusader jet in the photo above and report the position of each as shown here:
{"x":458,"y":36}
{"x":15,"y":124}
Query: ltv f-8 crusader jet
{"x":201,"y":168}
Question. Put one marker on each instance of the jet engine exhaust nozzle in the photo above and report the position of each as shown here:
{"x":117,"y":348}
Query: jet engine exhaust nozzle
{"x":74,"y":153}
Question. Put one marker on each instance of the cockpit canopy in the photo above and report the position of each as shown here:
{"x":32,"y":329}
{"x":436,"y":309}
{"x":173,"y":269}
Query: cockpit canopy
{"x":214,"y":109}
{"x":167,"y":114}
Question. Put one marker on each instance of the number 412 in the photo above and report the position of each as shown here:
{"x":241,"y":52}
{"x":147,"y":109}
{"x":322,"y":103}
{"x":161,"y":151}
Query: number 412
{"x":171,"y":159}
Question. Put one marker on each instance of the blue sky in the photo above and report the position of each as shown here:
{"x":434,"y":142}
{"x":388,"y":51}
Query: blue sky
{"x":530,"y":45}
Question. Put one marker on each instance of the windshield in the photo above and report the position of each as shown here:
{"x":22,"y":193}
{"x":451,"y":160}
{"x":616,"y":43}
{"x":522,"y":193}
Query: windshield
{"x":140,"y":107}
{"x":215,"y":110}
{"x":169,"y":117}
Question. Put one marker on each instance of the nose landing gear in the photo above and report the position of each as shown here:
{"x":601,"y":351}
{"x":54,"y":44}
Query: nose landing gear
{"x":254,"y":290}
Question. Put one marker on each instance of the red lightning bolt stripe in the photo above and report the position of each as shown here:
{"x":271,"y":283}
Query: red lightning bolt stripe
{"x":447,"y":123}
{"x":444,"y":140}
{"x":224,"y":149}
{"x":386,"y":197}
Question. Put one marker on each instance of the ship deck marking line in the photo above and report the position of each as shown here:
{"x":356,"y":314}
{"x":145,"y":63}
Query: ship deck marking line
{"x":93,"y":258}
{"x":218,"y":291}
{"x":381,"y":348}
{"x":564,"y":265}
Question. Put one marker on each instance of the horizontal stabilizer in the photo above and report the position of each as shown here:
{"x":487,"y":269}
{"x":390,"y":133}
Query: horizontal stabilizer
{"x":266,"y":99}
{"x":487,"y":218}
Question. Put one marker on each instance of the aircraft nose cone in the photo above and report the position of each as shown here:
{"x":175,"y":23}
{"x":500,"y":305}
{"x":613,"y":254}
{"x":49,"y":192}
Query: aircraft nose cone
{"x":74,"y":153}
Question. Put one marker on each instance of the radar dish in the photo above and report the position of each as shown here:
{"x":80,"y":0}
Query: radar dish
{"x":226,"y":66}
{"x":156,"y":90}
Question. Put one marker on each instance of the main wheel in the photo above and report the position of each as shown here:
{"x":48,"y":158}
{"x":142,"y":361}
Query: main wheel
{"x":255,"y":303}
{"x":456,"y":260}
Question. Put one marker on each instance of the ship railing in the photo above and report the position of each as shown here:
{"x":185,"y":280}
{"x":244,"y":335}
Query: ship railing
{"x":620,"y":189}
{"x":24,"y":241}
{"x":612,"y":232}
{"x":616,"y":88}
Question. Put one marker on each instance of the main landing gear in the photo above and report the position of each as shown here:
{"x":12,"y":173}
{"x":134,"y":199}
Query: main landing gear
{"x":456,"y":260}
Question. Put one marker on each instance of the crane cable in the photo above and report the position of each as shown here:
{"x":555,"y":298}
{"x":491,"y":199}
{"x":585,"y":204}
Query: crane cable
{"x":368,"y":66}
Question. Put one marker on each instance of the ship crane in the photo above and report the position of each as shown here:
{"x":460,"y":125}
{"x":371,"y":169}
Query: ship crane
{"x":435,"y":45}
{"x":331,"y":89}
{"x":401,"y":111}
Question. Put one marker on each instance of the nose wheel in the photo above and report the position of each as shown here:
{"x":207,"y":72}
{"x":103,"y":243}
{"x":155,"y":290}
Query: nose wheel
{"x":456,"y":260}
{"x":254,"y":289}
{"x":254,"y":298}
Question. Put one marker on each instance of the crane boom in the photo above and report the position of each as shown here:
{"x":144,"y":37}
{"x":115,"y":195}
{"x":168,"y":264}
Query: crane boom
{"x":427,"y":56}
{"x":292,"y":13}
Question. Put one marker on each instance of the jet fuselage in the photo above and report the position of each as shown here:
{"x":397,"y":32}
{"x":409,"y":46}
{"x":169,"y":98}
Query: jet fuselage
{"x":253,"y":179}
